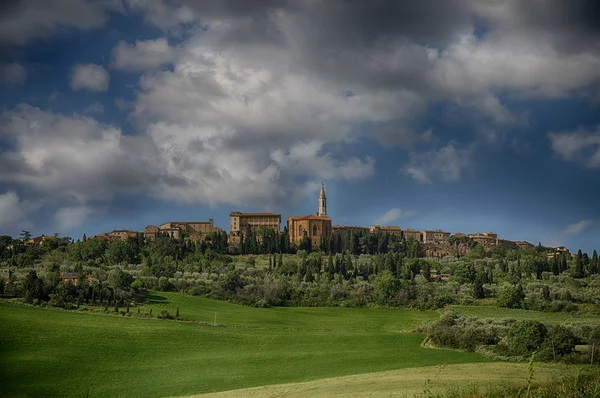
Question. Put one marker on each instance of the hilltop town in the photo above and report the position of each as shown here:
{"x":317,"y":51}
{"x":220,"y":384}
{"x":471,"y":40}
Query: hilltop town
{"x":315,"y":230}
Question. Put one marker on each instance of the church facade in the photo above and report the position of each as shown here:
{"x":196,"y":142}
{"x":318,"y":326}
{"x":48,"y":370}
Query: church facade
{"x":313,"y":226}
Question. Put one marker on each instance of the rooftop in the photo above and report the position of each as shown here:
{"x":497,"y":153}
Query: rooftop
{"x":239,"y":213}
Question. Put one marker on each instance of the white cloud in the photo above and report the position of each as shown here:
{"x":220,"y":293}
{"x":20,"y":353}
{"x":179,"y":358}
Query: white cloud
{"x":447,"y":163}
{"x":582,"y":146}
{"x":69,"y":218}
{"x":72,"y":158}
{"x":503,"y":60}
{"x":143,"y":55}
{"x":579,"y":227}
{"x":11,"y":210}
{"x":23,"y":21}
{"x":89,"y":77}
{"x":12,"y":73}
{"x":392,"y":215}
{"x":166,"y":16}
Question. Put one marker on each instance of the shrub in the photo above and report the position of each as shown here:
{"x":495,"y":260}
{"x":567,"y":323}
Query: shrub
{"x":524,"y":337}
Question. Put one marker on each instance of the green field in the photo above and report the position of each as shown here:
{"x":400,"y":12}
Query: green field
{"x":314,"y":318}
{"x":412,"y":382}
{"x":50,"y":352}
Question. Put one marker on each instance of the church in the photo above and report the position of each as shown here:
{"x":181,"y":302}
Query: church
{"x":314,"y":226}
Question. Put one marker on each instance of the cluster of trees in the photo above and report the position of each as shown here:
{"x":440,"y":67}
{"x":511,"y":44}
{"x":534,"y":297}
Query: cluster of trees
{"x":266,"y":241}
{"x":116,"y":289}
{"x":374,"y":269}
{"x":512,"y":338}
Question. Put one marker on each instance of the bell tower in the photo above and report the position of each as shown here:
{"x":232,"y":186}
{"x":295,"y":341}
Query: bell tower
{"x":322,"y":203}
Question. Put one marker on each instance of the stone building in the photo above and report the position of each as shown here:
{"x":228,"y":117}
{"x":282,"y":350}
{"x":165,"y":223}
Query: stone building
{"x":151,"y":232}
{"x":195,"y":230}
{"x":486,"y":239}
{"x":435,"y":236}
{"x":390,"y":230}
{"x":315,"y":226}
{"x":523,"y":244}
{"x":239,"y":222}
{"x":122,"y":234}
{"x":408,"y":233}
{"x":37,"y":240}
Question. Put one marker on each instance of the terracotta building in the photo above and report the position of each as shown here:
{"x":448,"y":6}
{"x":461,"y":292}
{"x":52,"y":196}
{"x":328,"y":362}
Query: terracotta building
{"x":315,"y":226}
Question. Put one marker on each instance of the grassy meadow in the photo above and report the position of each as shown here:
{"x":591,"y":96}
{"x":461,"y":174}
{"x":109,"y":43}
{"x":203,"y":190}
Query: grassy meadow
{"x":421,"y":382}
{"x":304,"y":318}
{"x":51,"y":352}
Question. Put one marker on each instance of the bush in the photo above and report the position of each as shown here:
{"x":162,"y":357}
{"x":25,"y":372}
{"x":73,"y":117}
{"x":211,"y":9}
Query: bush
{"x":164,"y":314}
{"x":524,"y":337}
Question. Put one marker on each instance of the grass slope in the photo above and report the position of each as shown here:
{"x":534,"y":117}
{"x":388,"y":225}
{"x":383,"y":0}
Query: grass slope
{"x":314,"y":318}
{"x":407,"y":383}
{"x":48,"y":352}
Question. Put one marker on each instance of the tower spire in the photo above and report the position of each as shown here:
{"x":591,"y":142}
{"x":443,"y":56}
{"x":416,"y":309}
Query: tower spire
{"x":322,"y":202}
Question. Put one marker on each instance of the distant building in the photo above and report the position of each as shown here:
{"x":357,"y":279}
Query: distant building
{"x":411,"y":233}
{"x":435,"y":236}
{"x":391,"y":230}
{"x":523,"y":244}
{"x":73,"y":277}
{"x":313,"y":226}
{"x":151,"y":232}
{"x":37,"y":240}
{"x":122,"y":234}
{"x":508,"y":244}
{"x":195,"y":230}
{"x":486,"y":239}
{"x":238,"y":221}
{"x":344,"y":229}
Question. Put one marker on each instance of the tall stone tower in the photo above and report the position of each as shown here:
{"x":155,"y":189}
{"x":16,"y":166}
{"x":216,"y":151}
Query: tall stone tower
{"x":322,"y":203}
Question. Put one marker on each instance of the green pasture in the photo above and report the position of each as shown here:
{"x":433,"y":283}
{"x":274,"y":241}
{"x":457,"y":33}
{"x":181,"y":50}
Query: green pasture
{"x":51,"y":352}
{"x":409,"y":383}
{"x":304,"y":318}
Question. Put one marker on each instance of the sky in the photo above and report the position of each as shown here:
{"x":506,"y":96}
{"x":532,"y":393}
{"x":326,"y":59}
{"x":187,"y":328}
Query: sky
{"x":463,"y":115}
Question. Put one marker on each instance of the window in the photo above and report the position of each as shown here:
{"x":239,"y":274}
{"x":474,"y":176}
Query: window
{"x":314,"y":230}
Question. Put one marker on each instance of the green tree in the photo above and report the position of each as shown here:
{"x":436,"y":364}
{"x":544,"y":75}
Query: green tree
{"x":594,"y":263}
{"x":25,"y":236}
{"x":511,"y":296}
{"x":525,"y":337}
{"x":578,"y":265}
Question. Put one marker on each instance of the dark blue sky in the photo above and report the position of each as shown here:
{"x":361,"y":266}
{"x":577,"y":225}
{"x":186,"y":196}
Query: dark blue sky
{"x":465,"y":116}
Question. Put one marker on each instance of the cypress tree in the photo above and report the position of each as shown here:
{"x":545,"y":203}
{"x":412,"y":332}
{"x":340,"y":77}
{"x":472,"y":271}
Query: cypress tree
{"x":594,"y":263}
{"x":578,"y":268}
{"x":177,"y":313}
